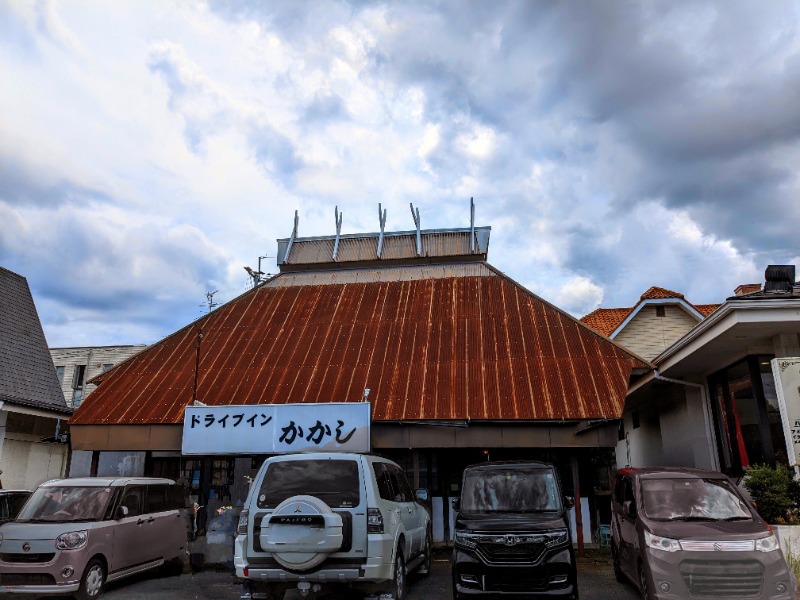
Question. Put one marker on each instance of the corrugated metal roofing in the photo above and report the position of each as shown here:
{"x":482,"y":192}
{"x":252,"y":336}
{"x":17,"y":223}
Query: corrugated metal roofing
{"x":395,"y":246}
{"x":458,"y":347}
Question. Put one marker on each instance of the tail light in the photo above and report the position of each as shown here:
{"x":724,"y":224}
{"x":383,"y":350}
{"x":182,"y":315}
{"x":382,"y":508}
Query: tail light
{"x":374,"y":520}
{"x":244,"y":518}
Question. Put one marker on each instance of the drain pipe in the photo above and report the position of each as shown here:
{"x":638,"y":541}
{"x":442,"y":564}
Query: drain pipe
{"x":710,"y":436}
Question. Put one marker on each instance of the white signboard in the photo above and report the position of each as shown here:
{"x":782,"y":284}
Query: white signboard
{"x":787,"y":383}
{"x":277,"y":428}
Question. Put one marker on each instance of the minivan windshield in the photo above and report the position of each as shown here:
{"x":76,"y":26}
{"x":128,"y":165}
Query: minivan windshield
{"x":509,"y":490}
{"x":65,"y":504}
{"x":693,"y":499}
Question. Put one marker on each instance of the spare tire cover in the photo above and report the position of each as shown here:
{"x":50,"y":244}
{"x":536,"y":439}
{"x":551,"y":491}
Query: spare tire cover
{"x":301,"y":532}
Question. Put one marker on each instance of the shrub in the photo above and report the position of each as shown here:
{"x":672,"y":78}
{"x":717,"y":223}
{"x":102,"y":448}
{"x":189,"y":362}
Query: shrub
{"x":775,"y":492}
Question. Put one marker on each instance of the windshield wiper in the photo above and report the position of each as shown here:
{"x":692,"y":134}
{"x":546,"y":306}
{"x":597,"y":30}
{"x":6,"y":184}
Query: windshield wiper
{"x":736,"y":519}
{"x":692,"y":518}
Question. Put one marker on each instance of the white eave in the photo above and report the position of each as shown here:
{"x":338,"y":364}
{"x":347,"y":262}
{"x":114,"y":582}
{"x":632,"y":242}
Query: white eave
{"x":736,"y":328}
{"x":657,"y":301}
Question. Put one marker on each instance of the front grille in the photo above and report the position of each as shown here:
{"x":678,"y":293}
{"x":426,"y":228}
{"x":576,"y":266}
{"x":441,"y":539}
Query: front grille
{"x":27,"y":558}
{"x":722,"y":579}
{"x":9,"y":579}
{"x":711,"y":546}
{"x":517,"y":583}
{"x":517,"y":554}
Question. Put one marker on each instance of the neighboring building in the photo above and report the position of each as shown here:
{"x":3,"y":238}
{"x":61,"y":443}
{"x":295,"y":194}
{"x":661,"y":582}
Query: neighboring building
{"x":657,"y":321}
{"x":711,"y":401}
{"x":33,"y":414}
{"x":76,"y":367}
{"x":459,"y":363}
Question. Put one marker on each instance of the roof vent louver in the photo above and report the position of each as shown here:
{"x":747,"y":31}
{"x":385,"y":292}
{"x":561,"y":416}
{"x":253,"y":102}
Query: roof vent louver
{"x":779,"y":279}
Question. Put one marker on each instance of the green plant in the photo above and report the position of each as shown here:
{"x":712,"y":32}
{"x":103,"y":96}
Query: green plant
{"x":775,"y":493}
{"x":792,"y":560}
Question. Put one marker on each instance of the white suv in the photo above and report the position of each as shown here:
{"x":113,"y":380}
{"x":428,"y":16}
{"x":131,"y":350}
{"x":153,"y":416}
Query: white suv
{"x":316,"y":520}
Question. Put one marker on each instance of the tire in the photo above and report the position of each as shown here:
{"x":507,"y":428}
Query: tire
{"x":315,"y":547}
{"x":618,"y":574}
{"x":400,"y":579}
{"x":92,"y":580}
{"x":173,"y":567}
{"x":425,"y":568}
{"x":643,"y":591}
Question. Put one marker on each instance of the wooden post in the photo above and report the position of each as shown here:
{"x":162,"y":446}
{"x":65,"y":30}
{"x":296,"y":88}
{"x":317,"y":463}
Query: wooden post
{"x":578,"y":514}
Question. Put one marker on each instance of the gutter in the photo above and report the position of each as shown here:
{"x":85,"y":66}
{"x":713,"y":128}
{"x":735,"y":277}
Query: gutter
{"x":729,"y":307}
{"x":710,"y":436}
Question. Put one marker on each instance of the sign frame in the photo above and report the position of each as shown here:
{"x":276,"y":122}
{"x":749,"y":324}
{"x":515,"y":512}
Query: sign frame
{"x":276,"y":428}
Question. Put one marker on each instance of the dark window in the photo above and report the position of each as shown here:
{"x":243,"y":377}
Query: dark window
{"x":627,"y":491}
{"x":60,"y":375}
{"x":402,"y":489}
{"x":383,"y":480}
{"x":133,"y":499}
{"x":15,"y":502}
{"x":158,"y":499}
{"x":336,"y":482}
{"x":661,"y":311}
{"x":77,"y":378}
{"x":107,"y":366}
{"x":635,"y":419}
{"x":746,"y":416}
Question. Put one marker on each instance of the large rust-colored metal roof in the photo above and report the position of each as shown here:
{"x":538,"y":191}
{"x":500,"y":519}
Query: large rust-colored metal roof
{"x":461,"y":342}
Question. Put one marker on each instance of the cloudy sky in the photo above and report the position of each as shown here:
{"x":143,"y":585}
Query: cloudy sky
{"x":150,"y":150}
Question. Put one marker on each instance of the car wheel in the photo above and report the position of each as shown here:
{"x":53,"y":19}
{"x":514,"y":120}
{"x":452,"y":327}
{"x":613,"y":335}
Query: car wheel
{"x":399,"y":583}
{"x":425,"y":568}
{"x":94,"y":577}
{"x":645,"y":594}
{"x":618,"y":574}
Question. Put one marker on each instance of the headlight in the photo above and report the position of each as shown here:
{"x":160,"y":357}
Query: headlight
{"x":767,"y":544}
{"x":73,"y":540}
{"x":466,"y":540}
{"x":661,"y":543}
{"x":556,"y":538}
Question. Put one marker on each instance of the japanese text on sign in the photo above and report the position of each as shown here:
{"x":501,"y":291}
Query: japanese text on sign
{"x":787,"y":385}
{"x":268,"y":429}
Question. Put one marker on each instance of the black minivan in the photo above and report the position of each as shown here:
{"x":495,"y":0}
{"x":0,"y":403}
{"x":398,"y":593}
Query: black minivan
{"x":512,"y":535}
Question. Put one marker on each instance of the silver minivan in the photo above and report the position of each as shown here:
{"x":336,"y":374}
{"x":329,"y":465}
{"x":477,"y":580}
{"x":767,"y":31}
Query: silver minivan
{"x":74,"y":535}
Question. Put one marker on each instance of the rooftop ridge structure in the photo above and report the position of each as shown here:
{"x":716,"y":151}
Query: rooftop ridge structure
{"x":338,"y":251}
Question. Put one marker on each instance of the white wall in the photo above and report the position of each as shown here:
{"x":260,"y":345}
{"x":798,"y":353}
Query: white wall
{"x":27,"y":464}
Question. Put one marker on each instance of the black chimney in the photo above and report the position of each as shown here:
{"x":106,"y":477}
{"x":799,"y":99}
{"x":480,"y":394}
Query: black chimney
{"x":779,"y":278}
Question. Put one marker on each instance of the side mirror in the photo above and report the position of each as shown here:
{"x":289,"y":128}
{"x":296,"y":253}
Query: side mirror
{"x":456,"y":504}
{"x":629,"y":509}
{"x":121,"y":512}
{"x":569,"y":502}
{"x":421,"y":494}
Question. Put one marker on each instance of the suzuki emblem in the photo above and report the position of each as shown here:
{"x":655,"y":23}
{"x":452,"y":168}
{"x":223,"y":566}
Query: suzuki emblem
{"x":717,"y":546}
{"x":26,"y":547}
{"x":510,"y":540}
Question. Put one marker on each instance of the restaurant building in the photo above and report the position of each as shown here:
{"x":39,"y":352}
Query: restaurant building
{"x":458,"y":363}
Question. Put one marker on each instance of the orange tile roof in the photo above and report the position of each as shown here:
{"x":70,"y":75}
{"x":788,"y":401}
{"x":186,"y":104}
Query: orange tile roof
{"x":706,"y":309}
{"x":607,"y":320}
{"x":658,"y":292}
{"x":463,"y":342}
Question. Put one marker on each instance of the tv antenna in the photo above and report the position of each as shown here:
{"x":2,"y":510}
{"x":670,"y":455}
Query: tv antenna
{"x":257,"y":276}
{"x":210,"y":300}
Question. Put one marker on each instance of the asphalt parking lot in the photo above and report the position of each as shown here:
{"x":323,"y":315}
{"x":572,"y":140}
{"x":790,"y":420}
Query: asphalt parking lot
{"x":595,"y":582}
